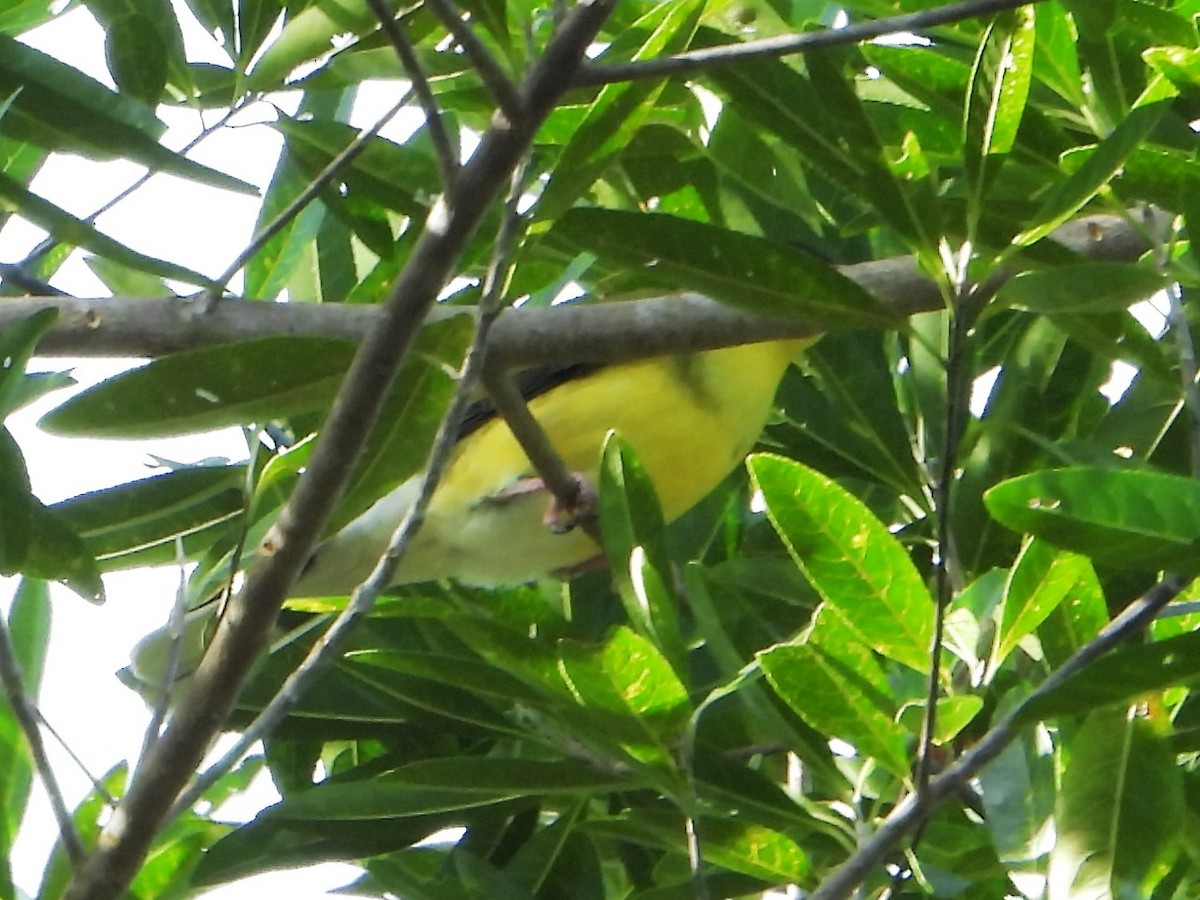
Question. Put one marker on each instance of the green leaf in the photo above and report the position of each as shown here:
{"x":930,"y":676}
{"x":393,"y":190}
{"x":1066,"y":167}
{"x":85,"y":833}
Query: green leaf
{"x":29,"y":629}
{"x":442,"y":785}
{"x":56,"y":553}
{"x":137,"y":57}
{"x":1127,"y":518}
{"x":1120,"y":808}
{"x":399,"y":444}
{"x":744,"y":271}
{"x":69,"y":229}
{"x":834,"y":683}
{"x":1067,"y":197}
{"x":738,"y":846}
{"x":1121,"y":677}
{"x":619,"y":110}
{"x":996,"y":98}
{"x":627,"y":674}
{"x":631,"y":522}
{"x":212,"y":387}
{"x":60,"y":108}
{"x":1018,"y":792}
{"x":850,"y":557}
{"x":1091,"y":287}
{"x":141,"y":514}
{"x":307,"y":35}
{"x":87,"y":816}
{"x":16,"y":506}
{"x":1041,"y":579}
{"x":17,"y":344}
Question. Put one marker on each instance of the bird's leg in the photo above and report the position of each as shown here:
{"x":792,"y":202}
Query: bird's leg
{"x":562,"y":514}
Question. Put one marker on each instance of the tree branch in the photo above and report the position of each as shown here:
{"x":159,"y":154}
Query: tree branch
{"x":243,"y":632}
{"x":600,"y":332}
{"x":493,"y":76}
{"x":784,"y":45}
{"x":914,"y":808}
{"x":447,"y":158}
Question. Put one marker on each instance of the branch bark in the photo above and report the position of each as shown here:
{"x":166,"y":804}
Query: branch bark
{"x":155,"y":326}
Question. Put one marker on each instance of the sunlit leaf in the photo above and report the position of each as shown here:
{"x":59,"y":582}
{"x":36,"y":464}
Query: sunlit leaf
{"x":849,"y":556}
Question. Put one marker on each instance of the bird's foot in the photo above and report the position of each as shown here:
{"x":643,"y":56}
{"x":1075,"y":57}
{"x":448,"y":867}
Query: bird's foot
{"x":561,"y":517}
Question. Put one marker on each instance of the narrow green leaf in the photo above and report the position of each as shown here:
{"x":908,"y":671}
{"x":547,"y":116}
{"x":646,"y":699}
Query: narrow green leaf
{"x":1121,"y":677}
{"x":137,"y":57}
{"x":619,"y":110}
{"x":141,"y":514}
{"x":850,"y":557}
{"x":834,"y":683}
{"x":29,"y":629}
{"x":997,"y":96}
{"x":70,"y":229}
{"x":56,"y":553}
{"x":744,"y":271}
{"x":279,"y":259}
{"x":1091,"y":287}
{"x":442,"y":785}
{"x":1127,"y":518}
{"x":307,"y":35}
{"x":1068,"y":196}
{"x":1041,"y":579}
{"x":635,"y":543}
{"x":60,"y":108}
{"x":1120,"y":808}
{"x":17,"y":344}
{"x":212,"y":387}
{"x":16,"y":505}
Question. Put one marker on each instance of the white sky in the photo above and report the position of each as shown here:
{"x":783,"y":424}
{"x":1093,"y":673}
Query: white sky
{"x":204,"y":228}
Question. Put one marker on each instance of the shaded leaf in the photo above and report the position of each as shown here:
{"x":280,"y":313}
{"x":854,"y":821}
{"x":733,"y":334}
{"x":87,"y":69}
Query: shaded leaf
{"x":744,"y":271}
{"x":1122,"y":517}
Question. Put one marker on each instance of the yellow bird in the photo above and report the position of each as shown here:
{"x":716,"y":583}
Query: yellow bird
{"x":690,"y":418}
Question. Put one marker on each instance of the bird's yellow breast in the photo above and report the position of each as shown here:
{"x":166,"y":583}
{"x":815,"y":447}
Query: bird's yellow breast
{"x":690,"y":419}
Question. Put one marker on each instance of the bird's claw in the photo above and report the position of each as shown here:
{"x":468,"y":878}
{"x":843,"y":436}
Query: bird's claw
{"x":560,"y":517}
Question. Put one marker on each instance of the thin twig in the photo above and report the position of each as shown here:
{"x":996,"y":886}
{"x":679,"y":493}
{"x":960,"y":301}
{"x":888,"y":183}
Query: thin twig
{"x":962,"y":314}
{"x":243,"y":632}
{"x":491,"y":73}
{"x":914,"y":808}
{"x":27,"y":719}
{"x":447,"y":158}
{"x":22,"y":280}
{"x":770,"y":48}
{"x":98,"y":787}
{"x":299,"y":202}
{"x":329,"y":645}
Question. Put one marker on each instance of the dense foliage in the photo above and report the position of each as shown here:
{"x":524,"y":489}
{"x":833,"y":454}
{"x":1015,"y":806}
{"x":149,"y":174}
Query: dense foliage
{"x":740,"y":707}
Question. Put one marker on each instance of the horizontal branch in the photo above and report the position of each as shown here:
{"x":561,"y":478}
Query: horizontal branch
{"x":600,"y":332}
